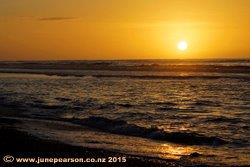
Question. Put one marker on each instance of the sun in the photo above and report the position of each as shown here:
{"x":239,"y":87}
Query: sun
{"x":182,"y":45}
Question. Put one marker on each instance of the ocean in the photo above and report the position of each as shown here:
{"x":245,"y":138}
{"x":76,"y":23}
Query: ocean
{"x":154,"y":108}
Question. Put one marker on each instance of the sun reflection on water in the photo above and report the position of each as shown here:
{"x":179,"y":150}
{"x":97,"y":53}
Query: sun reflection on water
{"x":171,"y":151}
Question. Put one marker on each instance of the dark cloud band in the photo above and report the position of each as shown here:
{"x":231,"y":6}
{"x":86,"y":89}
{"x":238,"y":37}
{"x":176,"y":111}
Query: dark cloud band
{"x":56,"y":18}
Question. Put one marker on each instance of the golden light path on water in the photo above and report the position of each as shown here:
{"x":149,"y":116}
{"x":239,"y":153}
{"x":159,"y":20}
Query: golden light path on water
{"x":174,"y":151}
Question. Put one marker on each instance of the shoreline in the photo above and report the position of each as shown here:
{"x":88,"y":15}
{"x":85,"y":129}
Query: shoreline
{"x":22,"y":144}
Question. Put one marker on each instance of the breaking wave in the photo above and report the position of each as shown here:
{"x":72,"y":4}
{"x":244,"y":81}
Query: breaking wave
{"x":123,"y":128}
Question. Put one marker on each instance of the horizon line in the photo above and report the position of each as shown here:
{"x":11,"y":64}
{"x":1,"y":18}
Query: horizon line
{"x":171,"y":59}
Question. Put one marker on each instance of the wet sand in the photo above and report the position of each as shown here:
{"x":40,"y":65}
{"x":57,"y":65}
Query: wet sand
{"x":21,"y":144}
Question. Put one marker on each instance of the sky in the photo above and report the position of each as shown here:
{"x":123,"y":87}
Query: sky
{"x":123,"y":29}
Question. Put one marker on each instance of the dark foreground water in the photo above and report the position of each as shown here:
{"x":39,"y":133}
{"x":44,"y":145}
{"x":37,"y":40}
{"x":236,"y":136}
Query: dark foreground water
{"x":155,"y":108}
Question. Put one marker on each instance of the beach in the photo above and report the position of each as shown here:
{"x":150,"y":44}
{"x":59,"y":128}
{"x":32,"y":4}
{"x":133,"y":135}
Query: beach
{"x":22,"y":144}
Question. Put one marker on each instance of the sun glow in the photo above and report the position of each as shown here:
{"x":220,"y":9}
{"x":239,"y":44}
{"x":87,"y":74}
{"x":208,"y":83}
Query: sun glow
{"x":182,"y":45}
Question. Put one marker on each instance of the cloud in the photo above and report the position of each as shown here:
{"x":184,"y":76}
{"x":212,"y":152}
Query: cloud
{"x":55,"y":18}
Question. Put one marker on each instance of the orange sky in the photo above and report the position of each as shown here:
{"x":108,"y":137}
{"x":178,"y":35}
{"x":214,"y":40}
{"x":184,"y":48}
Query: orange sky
{"x":123,"y":29}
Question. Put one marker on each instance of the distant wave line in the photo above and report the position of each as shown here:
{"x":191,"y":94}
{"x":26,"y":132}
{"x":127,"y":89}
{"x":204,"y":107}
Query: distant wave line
{"x":83,"y":73}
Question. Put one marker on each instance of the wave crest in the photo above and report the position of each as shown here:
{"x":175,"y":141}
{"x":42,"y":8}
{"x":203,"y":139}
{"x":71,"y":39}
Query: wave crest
{"x":123,"y":128}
